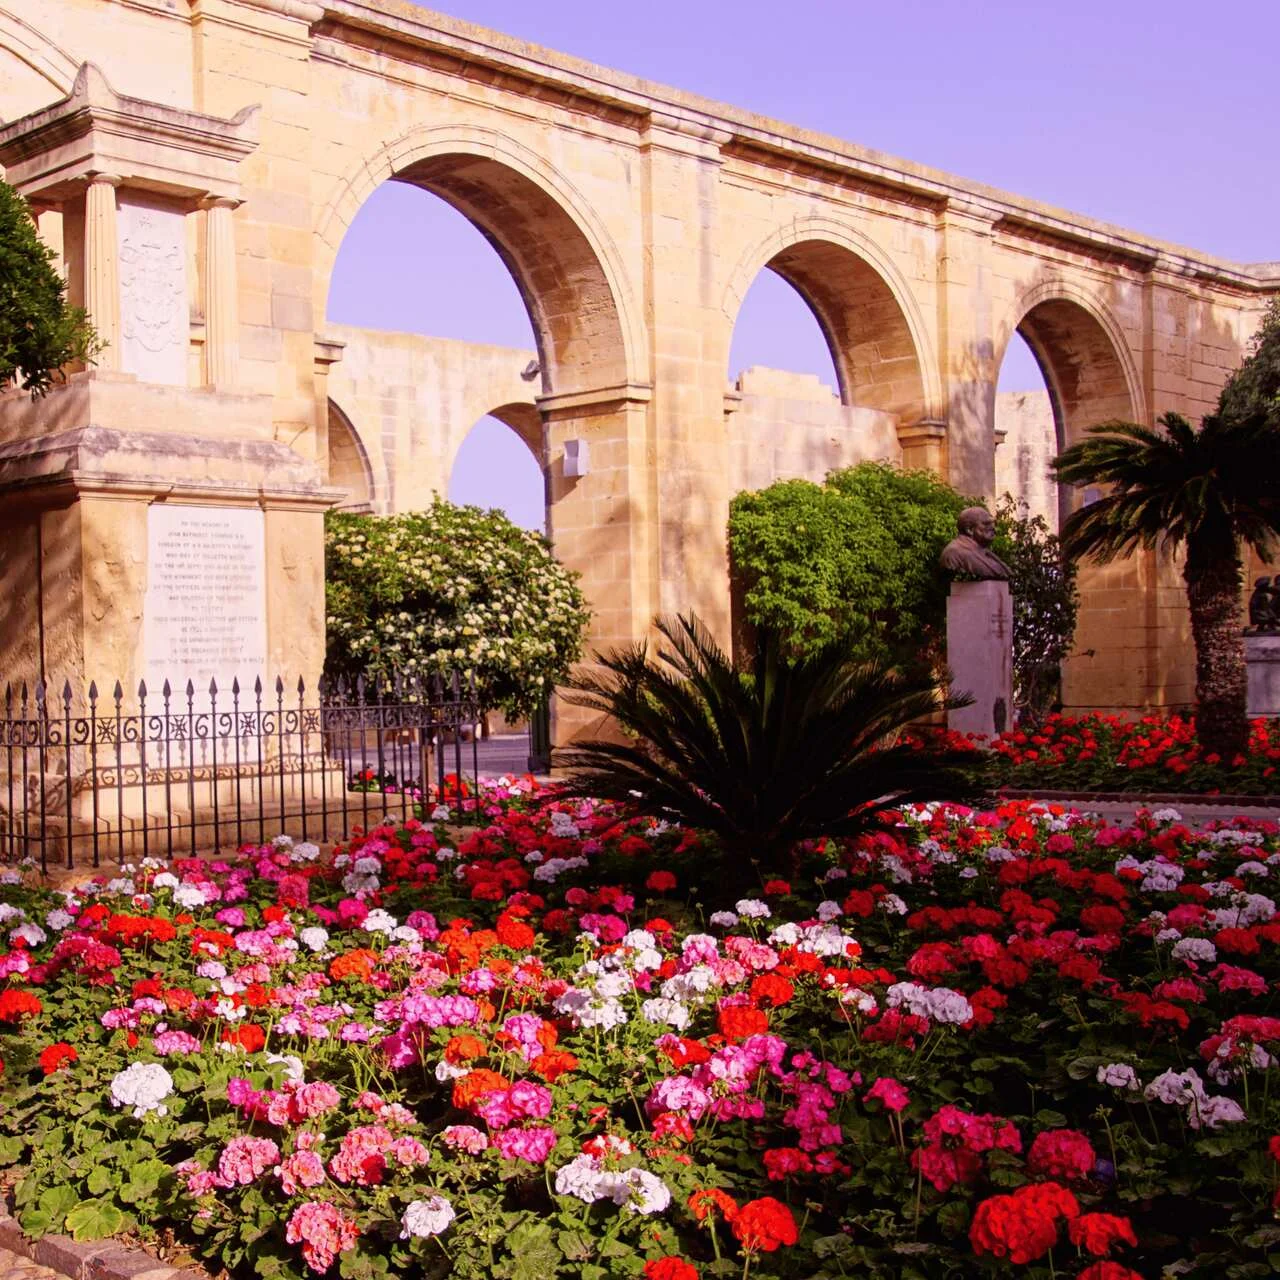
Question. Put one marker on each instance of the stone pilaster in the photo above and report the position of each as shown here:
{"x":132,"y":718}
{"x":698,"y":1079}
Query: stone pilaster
{"x":222,"y":326}
{"x":102,"y":265}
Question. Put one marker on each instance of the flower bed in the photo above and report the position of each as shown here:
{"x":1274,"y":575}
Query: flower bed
{"x":1008,"y":1043}
{"x":1154,"y":755}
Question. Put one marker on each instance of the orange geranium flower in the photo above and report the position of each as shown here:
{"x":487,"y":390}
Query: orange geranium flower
{"x":354,"y":964}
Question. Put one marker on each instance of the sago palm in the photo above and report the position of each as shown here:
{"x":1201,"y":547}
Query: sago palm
{"x":763,"y":758}
{"x":1210,"y":490}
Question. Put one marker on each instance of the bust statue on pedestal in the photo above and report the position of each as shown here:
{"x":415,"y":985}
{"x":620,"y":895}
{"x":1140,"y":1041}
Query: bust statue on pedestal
{"x":969,"y":552}
{"x":979,"y":626}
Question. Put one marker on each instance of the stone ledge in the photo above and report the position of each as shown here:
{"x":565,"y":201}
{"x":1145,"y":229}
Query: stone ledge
{"x":94,"y":1260}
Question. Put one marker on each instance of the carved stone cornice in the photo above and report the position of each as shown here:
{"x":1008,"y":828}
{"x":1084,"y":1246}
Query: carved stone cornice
{"x":585,"y":404}
{"x":53,"y":152}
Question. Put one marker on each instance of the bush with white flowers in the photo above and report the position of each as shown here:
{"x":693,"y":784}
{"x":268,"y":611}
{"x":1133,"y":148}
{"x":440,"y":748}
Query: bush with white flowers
{"x":451,"y":589}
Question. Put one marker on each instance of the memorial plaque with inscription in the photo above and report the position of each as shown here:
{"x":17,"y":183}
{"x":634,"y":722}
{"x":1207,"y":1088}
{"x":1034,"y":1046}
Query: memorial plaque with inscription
{"x":205,"y":611}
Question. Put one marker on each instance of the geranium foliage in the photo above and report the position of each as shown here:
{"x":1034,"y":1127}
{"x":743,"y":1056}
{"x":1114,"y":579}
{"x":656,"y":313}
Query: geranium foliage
{"x":1011,"y":1043}
{"x":451,"y":588}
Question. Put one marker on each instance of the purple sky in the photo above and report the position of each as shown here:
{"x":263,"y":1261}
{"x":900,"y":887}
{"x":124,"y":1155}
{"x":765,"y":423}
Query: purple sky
{"x":1155,"y":116}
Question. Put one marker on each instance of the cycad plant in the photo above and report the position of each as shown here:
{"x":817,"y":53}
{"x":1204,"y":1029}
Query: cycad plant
{"x":1210,"y":490}
{"x":762,"y":758}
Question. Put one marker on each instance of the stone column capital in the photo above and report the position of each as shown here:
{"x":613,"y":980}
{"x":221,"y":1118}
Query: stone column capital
{"x":104,"y":180}
{"x":219,"y":202}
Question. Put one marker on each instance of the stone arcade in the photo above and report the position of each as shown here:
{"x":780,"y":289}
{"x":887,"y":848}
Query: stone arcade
{"x":196,"y":163}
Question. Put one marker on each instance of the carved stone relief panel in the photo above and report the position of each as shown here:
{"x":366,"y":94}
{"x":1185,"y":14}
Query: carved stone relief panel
{"x":154,"y":320}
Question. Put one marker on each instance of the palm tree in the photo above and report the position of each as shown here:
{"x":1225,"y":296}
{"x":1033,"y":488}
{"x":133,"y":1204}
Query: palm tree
{"x":788,"y":751}
{"x":1210,"y":491}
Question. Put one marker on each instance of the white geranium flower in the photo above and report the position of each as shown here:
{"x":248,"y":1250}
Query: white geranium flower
{"x":427,"y":1217}
{"x":314,"y":938}
{"x":142,"y":1086}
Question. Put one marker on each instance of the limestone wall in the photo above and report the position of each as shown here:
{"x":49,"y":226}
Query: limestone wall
{"x":1026,"y":443}
{"x":635,"y":218}
{"x":790,"y":426}
{"x":412,"y":399}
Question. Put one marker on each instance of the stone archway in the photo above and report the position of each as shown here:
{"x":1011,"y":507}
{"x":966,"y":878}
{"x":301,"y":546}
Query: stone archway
{"x":876,"y":334}
{"x":1091,"y":378}
{"x":591,"y":346}
{"x":349,"y":466}
{"x":1084,"y":359}
{"x":522,"y":423}
{"x":588,"y":332}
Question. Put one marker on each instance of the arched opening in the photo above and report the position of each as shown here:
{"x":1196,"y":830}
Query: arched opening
{"x":500,"y":464}
{"x":839,"y":324}
{"x":550,"y":249}
{"x":1062,"y":372}
{"x":1088,"y":379}
{"x":453,"y":204}
{"x":1027,"y":434}
{"x":777,"y":330}
{"x":873,"y":350}
{"x":349,"y":467}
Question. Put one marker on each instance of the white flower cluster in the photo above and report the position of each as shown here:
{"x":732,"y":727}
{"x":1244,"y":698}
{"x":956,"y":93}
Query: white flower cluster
{"x":548,"y":872}
{"x":142,"y":1086}
{"x":1119,"y":1075}
{"x":427,"y":1217}
{"x":563,"y":826}
{"x":638,"y":1189}
{"x":363,"y":878}
{"x":1186,"y":1089}
{"x":938,"y":1004}
{"x":1195,"y":950}
{"x":818,"y":939}
{"x":1246,"y":909}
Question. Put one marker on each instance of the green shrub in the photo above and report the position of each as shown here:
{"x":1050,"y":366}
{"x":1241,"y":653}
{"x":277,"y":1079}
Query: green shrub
{"x":853,"y":560}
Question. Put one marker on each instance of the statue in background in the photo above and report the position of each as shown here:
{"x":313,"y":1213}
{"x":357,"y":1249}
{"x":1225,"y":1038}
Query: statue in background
{"x":1264,"y":606}
{"x":969,"y":553}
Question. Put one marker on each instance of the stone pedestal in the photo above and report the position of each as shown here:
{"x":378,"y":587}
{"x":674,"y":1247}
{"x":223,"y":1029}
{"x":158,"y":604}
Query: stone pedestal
{"x":980,"y":655}
{"x":140,"y":537}
{"x":1262,"y":660}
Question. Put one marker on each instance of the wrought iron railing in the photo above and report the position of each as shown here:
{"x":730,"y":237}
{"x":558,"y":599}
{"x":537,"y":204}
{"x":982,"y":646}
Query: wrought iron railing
{"x":177,"y":772}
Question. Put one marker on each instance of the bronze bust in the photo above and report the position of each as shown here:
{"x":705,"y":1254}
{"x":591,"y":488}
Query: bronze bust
{"x":1264,"y":607}
{"x":969,"y":554}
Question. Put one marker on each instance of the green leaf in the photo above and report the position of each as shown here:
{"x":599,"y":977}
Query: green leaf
{"x":94,"y":1220}
{"x":57,"y":1202}
{"x":100,"y":1180}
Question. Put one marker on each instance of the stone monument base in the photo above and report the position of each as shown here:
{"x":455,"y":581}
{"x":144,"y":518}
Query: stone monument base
{"x":980,"y":655}
{"x":1262,"y":661}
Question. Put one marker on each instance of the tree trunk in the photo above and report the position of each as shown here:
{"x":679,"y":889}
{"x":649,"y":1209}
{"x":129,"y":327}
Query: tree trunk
{"x":1213,"y":594}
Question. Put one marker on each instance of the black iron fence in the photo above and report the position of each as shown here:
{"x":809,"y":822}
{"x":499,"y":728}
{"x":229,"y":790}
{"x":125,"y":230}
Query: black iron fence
{"x":181,"y":771}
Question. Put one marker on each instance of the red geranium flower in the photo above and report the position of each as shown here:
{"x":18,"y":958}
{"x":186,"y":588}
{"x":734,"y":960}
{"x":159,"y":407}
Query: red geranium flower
{"x":57,"y":1055}
{"x":15,"y":1005}
{"x":670,"y":1268}
{"x":764,"y":1225}
{"x":1061,"y":1153}
{"x":1096,"y":1233}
